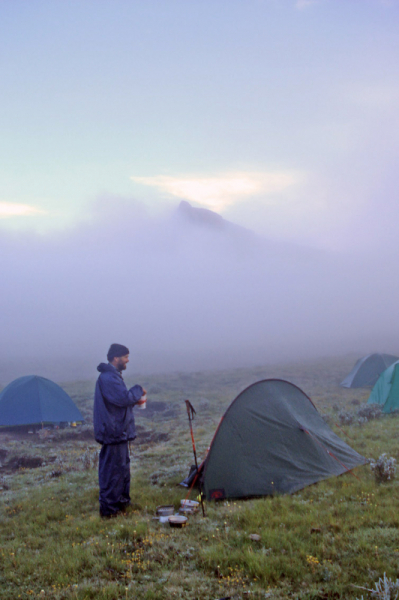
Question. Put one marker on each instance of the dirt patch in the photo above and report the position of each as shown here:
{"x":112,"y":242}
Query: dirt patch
{"x":24,"y":462}
{"x":155,"y":407}
{"x":150,"y":437}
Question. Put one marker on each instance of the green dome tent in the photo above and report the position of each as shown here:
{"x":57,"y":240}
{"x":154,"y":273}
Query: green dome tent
{"x":367,"y":370}
{"x":272,"y":440}
{"x":386,"y":390}
{"x":32,"y":400}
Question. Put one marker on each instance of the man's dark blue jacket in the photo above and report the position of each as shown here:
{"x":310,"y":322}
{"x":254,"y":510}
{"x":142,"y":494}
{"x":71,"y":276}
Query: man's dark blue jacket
{"x":113,"y":407}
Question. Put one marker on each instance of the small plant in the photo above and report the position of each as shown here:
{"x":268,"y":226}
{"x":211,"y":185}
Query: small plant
{"x":3,"y":483}
{"x":385,"y":589}
{"x":55,"y":473}
{"x":345,"y":418}
{"x":62,"y":466}
{"x":45,"y":434}
{"x":384,"y":468}
{"x":327,"y":418}
{"x":89,"y":459}
{"x":369,"y":412}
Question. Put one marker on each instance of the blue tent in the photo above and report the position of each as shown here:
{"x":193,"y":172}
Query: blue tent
{"x":368,"y":369}
{"x":32,"y":400}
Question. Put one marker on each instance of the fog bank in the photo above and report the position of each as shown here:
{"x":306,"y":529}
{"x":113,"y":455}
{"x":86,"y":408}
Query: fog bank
{"x":187,"y":291}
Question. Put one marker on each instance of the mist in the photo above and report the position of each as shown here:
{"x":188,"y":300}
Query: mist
{"x":186,"y":290}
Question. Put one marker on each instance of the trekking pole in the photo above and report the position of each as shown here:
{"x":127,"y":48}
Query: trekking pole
{"x":191,"y":412}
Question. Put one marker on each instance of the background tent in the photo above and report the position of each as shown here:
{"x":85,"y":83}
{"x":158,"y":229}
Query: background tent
{"x":367,"y":370}
{"x":386,"y":390}
{"x":32,"y":400}
{"x":272,"y":439}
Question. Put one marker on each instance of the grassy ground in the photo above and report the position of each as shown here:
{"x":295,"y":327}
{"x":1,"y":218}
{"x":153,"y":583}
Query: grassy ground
{"x":318,"y":543}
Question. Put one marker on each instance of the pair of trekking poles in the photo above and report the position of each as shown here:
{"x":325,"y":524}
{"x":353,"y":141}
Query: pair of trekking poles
{"x":191,"y":412}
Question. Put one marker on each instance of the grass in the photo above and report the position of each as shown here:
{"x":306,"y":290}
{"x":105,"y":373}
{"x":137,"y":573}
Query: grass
{"x":315,"y":544}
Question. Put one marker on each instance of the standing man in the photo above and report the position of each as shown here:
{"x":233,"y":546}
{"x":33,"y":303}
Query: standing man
{"x":113,"y":428}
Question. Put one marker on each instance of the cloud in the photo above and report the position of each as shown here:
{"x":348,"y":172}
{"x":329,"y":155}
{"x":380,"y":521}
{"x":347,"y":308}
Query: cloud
{"x":13,"y":209}
{"x":219,"y":192}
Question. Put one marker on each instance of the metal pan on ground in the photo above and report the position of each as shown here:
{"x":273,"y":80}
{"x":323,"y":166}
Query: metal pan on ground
{"x":177,"y":521}
{"x":189,"y":506}
{"x":187,"y":511}
{"x":166,"y":510}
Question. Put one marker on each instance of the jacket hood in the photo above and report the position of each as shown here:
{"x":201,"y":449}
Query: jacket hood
{"x":102,"y":367}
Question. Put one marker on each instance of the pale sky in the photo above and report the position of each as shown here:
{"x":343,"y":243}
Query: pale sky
{"x":281,"y":115}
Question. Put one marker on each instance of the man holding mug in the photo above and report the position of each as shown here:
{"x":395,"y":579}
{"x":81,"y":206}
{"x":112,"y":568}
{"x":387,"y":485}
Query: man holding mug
{"x":114,"y":428}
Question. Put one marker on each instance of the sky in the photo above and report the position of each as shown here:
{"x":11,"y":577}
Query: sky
{"x":281,"y":116}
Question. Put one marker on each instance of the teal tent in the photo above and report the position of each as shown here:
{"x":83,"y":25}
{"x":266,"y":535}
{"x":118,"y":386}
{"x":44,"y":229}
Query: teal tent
{"x":32,"y":400}
{"x":386,"y":390}
{"x":367,"y":370}
{"x":272,"y":440}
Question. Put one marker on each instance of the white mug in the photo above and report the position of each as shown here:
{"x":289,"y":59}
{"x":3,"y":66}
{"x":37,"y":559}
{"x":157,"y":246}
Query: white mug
{"x":143,"y":399}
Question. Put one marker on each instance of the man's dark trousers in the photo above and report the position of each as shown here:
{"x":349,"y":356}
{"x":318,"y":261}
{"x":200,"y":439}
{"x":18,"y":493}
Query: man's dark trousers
{"x":114,"y":478}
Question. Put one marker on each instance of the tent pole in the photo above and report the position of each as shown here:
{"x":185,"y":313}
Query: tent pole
{"x":191,"y":413}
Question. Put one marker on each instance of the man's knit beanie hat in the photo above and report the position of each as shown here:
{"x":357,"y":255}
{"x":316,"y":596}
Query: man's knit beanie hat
{"x":116,"y":350}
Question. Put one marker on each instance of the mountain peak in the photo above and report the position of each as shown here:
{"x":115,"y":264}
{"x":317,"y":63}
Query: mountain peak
{"x":201,"y":216}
